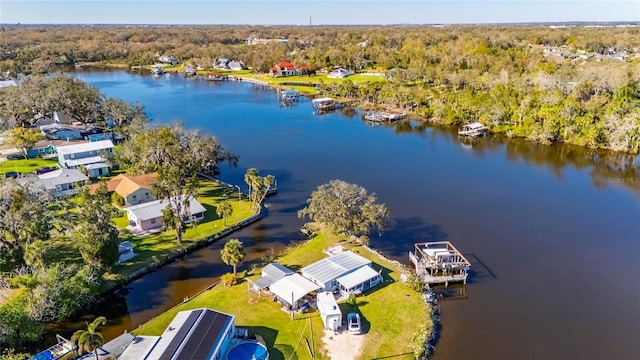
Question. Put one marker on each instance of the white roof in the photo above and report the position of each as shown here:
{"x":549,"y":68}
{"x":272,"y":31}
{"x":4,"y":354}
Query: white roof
{"x":99,"y":165}
{"x":61,"y":176}
{"x":334,"y":266}
{"x":84,"y":147}
{"x":292,"y":285}
{"x":153,"y":209}
{"x":139,"y":347}
{"x":357,"y":277}
{"x":327,"y":303}
{"x":7,"y":83}
{"x":475,"y":125}
{"x":322,"y":100}
{"x":270,"y":274}
{"x":84,"y":161}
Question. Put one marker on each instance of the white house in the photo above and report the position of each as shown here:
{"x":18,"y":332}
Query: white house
{"x":168,"y":60}
{"x":88,"y":155}
{"x":326,"y":271}
{"x":63,"y":182}
{"x":339,"y":73}
{"x":329,"y":311}
{"x":283,"y":69}
{"x":358,"y":281}
{"x":203,"y":334}
{"x":148,"y":216}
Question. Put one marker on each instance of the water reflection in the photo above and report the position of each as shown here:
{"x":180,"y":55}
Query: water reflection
{"x":530,"y":218}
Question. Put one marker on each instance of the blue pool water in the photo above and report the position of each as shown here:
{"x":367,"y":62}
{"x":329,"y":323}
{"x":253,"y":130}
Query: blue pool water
{"x":248,"y":351}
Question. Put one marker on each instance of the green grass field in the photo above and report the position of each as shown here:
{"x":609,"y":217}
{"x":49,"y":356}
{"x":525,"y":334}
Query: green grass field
{"x":391,"y":312}
{"x":317,"y":79}
{"x":153,"y":247}
{"x":26,"y":166}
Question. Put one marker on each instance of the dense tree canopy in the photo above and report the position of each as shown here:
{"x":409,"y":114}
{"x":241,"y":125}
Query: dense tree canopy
{"x":345,"y":208}
{"x":97,"y":236}
{"x":450,"y":75}
{"x":177,"y":155}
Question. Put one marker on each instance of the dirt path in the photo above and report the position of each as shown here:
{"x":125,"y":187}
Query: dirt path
{"x":342,"y":345}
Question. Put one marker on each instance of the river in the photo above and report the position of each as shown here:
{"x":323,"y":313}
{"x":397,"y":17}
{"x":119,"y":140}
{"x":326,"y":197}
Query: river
{"x":552,"y":231}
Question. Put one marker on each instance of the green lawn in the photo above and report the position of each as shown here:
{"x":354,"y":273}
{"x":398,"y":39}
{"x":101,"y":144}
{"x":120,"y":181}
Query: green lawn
{"x":26,"y":165}
{"x":317,"y":79}
{"x":391,"y":312}
{"x":153,"y":247}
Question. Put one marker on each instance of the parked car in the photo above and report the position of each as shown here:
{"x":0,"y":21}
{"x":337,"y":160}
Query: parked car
{"x":11,"y":174}
{"x":15,"y":157}
{"x":353,"y":323}
{"x":44,"y":170}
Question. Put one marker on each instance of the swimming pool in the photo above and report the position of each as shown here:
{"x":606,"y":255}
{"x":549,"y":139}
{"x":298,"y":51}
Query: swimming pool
{"x":248,"y":351}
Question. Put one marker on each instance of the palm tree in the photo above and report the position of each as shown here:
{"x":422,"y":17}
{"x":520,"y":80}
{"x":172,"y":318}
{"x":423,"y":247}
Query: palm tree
{"x":224,"y":210}
{"x":233,"y":253}
{"x":90,"y":340}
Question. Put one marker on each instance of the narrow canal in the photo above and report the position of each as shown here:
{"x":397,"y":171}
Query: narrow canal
{"x":552,"y":232}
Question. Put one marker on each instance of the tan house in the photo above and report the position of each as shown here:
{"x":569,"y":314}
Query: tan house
{"x":133,"y":189}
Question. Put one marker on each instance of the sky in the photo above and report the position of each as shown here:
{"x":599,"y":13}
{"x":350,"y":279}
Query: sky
{"x":301,"y":12}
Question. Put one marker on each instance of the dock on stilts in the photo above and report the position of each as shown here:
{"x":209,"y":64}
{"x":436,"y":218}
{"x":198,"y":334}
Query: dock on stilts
{"x":439,"y":263}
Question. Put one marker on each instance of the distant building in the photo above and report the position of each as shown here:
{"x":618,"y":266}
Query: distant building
{"x":339,"y":73}
{"x":7,"y":83}
{"x":168,"y":60}
{"x":254,"y":41}
{"x":283,"y":69}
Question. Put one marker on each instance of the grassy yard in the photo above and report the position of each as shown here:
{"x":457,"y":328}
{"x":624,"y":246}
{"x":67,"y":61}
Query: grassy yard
{"x":317,"y":79}
{"x":391,"y":312}
{"x":153,"y":247}
{"x":26,"y":165}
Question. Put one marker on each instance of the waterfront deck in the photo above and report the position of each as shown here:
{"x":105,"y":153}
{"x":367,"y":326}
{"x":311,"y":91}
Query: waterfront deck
{"x":439,"y":263}
{"x":381,"y":116}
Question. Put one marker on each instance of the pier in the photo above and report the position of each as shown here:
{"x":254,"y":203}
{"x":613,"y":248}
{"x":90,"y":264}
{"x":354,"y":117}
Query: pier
{"x":381,"y":116}
{"x":439,"y":263}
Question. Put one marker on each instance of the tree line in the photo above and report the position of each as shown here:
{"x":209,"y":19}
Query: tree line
{"x":449,"y":75}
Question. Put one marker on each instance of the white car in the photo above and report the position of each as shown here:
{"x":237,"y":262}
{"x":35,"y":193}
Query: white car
{"x":353,"y":323}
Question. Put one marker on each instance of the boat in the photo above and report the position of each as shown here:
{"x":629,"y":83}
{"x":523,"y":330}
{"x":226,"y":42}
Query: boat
{"x":323,"y":104}
{"x":473,"y":130}
{"x":157,"y":69}
{"x":189,"y":71}
{"x":63,"y":350}
{"x":215,"y":76}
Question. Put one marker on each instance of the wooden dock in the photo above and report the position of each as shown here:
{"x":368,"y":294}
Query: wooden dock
{"x":439,"y":263}
{"x":381,"y":116}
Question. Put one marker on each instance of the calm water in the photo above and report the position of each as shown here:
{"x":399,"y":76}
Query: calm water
{"x":552,"y":232}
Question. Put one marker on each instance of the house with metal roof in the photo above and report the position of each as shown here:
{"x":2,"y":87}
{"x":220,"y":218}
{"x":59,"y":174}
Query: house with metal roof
{"x":270,"y":274}
{"x":326,"y":271}
{"x":148,"y":216}
{"x":87,"y":154}
{"x":292,"y":289}
{"x":63,"y":182}
{"x":192,"y":334}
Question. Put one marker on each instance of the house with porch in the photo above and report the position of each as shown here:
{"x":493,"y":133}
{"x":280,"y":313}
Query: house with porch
{"x":63,"y":182}
{"x":283,"y":69}
{"x":148,"y":216}
{"x":344,"y":271}
{"x":89,"y":155}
